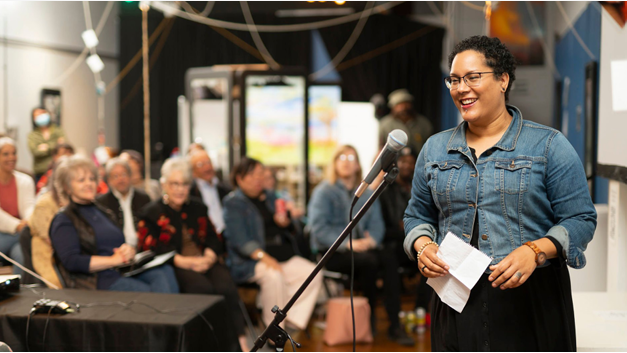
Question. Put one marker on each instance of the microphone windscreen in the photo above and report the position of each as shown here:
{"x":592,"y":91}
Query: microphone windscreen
{"x":397,"y":139}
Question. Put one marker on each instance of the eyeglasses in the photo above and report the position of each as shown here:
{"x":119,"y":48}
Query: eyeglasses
{"x":472,"y":79}
{"x":347,"y":157}
{"x":177,"y":185}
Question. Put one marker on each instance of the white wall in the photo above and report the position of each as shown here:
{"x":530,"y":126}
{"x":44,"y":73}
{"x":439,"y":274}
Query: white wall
{"x":41,"y":40}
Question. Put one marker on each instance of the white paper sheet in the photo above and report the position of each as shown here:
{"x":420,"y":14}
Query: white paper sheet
{"x":466,"y":263}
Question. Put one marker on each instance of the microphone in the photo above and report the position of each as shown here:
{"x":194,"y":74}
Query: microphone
{"x":397,"y":140}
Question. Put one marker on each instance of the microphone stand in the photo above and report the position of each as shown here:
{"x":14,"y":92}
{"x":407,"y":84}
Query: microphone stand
{"x":274,"y":331}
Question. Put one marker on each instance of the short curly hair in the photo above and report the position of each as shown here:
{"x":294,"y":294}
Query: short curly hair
{"x":498,"y":57}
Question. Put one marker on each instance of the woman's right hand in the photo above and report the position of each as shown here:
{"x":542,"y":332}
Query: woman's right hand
{"x":271,"y":262}
{"x":124,"y":254}
{"x":199,"y":264}
{"x":429,"y":264}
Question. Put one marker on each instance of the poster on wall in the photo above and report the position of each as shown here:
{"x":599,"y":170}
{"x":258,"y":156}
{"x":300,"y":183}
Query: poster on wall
{"x":521,"y":29}
{"x":324,"y":103}
{"x":51,"y":101}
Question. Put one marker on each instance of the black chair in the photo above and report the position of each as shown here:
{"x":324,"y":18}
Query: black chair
{"x":25,"y":243}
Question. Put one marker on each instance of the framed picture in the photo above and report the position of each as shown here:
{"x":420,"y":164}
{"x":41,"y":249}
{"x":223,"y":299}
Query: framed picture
{"x":51,"y":101}
{"x":521,"y":29}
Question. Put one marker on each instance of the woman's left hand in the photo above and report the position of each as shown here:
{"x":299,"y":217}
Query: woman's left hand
{"x":515,"y":269}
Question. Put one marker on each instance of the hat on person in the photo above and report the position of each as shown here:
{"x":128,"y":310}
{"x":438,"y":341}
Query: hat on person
{"x":399,"y":96}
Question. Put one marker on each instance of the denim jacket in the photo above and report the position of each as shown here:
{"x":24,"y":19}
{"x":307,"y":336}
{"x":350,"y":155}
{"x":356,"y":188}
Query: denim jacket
{"x":531,"y":184}
{"x":244,"y":233}
{"x":328,"y":216}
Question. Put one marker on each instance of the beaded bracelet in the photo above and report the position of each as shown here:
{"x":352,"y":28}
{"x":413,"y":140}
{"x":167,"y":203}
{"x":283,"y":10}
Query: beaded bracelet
{"x":422,"y":248}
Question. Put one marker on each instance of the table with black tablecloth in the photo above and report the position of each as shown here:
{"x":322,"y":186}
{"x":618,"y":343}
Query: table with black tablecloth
{"x":118,"y":321}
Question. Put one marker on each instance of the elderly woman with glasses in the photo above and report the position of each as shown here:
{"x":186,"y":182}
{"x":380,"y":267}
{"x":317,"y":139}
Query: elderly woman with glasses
{"x":179,"y":223}
{"x":87,"y":241}
{"x":516,"y":191}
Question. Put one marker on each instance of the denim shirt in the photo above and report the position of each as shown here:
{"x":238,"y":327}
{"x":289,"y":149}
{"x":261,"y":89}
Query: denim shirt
{"x":530,"y":185}
{"x":244,"y":233}
{"x":328,"y":216}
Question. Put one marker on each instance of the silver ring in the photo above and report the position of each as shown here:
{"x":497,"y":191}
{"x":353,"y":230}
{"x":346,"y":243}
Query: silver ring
{"x":518,"y":275}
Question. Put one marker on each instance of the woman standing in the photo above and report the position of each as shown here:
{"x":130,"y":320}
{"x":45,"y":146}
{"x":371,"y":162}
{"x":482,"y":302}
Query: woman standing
{"x":513,"y":189}
{"x":88,"y":243}
{"x":42,"y":140}
{"x":17,"y":200}
{"x":176,"y":223}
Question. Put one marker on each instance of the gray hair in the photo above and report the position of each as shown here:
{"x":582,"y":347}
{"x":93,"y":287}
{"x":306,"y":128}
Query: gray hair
{"x":173,"y":164}
{"x":6,"y":141}
{"x":66,"y":171}
{"x":114,"y":162}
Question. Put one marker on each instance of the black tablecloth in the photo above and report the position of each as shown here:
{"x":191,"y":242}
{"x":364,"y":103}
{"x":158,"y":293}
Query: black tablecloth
{"x":107,"y":326}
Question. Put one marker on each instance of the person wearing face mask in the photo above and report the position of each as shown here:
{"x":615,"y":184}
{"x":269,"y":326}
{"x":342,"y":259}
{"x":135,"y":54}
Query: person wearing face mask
{"x":17,"y":201}
{"x":43,"y":140}
{"x":403,"y":116}
{"x":89,"y":244}
{"x":514,"y":190}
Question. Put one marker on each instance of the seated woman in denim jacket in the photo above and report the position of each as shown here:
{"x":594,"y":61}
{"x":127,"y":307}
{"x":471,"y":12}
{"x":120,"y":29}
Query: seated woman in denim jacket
{"x":88,"y":243}
{"x":513,"y":189}
{"x":260,"y":248}
{"x":179,"y":223}
{"x":328,"y":216}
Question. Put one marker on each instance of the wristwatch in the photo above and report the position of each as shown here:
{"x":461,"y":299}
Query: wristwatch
{"x":540,"y":256}
{"x":260,"y":255}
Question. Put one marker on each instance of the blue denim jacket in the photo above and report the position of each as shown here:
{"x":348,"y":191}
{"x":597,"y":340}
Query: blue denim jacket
{"x":531,"y":184}
{"x":328,"y":216}
{"x":244,"y":233}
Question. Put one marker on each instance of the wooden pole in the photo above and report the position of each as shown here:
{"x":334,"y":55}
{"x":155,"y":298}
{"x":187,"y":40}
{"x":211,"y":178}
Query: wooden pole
{"x":144,"y":7}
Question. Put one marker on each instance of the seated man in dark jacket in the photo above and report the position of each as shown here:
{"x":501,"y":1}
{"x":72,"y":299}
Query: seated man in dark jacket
{"x":207,"y":187}
{"x":123,"y":199}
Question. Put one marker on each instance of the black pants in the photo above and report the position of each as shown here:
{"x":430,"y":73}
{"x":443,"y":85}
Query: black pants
{"x":217,"y":280}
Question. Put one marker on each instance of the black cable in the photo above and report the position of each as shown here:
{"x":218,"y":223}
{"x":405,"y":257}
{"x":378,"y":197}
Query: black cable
{"x":211,"y":329}
{"x":43,"y":348}
{"x":28,"y":327}
{"x":350,"y":215}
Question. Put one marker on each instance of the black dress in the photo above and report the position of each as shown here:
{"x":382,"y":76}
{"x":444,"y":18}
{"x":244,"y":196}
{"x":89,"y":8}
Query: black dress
{"x":537,"y":316}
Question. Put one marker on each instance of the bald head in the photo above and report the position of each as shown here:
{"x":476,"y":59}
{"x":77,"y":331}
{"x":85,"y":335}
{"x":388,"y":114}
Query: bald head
{"x":202,"y":168}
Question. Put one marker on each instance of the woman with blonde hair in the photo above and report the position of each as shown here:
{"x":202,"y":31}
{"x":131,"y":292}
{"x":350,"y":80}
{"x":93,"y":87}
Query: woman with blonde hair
{"x":328,"y":216}
{"x":88,"y":242}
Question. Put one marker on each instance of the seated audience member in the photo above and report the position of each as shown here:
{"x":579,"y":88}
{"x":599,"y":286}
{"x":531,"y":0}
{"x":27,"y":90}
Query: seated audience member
{"x":136,"y":162}
{"x":177,"y":223}
{"x":43,"y":139}
{"x":394,"y":201}
{"x":207,"y":187}
{"x":87,"y":242}
{"x":328,"y":216}
{"x":47,"y":206}
{"x":261,"y":248}
{"x":62,"y":149}
{"x":123,"y":200}
{"x":17,"y":200}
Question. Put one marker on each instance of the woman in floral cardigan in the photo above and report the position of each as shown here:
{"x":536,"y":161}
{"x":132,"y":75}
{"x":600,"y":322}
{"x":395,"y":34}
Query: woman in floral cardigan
{"x":176,"y":223}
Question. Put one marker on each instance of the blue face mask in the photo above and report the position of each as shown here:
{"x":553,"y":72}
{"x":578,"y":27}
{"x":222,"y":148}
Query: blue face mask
{"x":42,"y":120}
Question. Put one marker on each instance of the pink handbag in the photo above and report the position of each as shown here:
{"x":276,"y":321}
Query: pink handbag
{"x":339,"y":322}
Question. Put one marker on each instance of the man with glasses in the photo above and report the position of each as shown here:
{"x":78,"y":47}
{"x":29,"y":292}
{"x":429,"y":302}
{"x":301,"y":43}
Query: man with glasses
{"x":122,"y":199}
{"x":207,"y":187}
{"x":403,"y":116}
